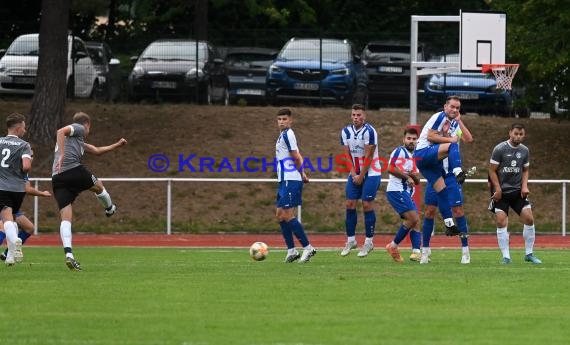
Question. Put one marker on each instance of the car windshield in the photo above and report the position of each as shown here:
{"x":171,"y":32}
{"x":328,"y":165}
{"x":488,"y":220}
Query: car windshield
{"x":96,"y":55}
{"x":249,"y":60}
{"x":24,"y":46}
{"x":174,"y":51}
{"x":310,"y":50}
{"x":387,"y":53}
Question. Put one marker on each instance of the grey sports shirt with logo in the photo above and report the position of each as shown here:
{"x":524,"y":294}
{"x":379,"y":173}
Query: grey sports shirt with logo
{"x":12,"y":150}
{"x":74,"y":149}
{"x":511,"y":160}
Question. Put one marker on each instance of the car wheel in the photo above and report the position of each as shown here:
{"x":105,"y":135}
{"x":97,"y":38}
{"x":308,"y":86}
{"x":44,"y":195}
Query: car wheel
{"x":226,"y":97}
{"x":205,"y":94}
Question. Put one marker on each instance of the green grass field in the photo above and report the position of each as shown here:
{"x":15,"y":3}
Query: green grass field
{"x":205,"y":296}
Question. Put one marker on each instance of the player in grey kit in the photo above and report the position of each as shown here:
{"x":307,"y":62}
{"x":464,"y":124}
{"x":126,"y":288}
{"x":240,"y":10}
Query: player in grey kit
{"x":508,"y":176}
{"x":70,"y":177}
{"x":16,"y":156}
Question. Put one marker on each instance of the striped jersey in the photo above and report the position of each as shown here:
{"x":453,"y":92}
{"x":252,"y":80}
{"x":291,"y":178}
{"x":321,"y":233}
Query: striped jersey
{"x":403,"y":159}
{"x":286,"y":169}
{"x":436,"y":122}
{"x":356,"y":140}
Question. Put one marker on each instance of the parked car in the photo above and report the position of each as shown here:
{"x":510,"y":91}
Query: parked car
{"x":299,"y":73}
{"x":388,"y":67}
{"x":478,"y":91}
{"x":19,"y":66}
{"x":108,"y":70}
{"x":169,"y":68}
{"x":246,"y":68}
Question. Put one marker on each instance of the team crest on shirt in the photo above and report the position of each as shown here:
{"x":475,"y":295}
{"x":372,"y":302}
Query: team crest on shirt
{"x":518,"y":155}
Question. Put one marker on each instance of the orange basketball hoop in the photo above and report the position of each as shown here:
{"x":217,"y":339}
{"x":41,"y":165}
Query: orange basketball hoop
{"x":504,"y":73}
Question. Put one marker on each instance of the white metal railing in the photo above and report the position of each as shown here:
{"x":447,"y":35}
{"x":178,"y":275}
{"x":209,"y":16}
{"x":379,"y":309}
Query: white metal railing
{"x":169,"y":181}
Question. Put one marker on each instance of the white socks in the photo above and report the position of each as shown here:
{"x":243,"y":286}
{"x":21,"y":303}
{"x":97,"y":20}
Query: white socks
{"x":65,"y":233}
{"x":104,"y":199}
{"x":351,"y":239}
{"x":369,"y":240}
{"x":503,"y":239}
{"x":11,"y":230}
{"x":528,"y":235}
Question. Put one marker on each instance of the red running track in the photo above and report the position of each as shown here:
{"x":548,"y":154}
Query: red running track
{"x":274,"y":240}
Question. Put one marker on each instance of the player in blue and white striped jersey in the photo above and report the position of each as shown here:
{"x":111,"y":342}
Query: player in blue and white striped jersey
{"x":399,"y":193}
{"x":360,"y":142}
{"x":458,"y":129}
{"x":291,"y":177}
{"x":432,"y":148}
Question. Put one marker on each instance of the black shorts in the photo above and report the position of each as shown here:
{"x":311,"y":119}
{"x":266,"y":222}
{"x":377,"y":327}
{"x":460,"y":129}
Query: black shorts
{"x":513,"y":200}
{"x":67,"y":185}
{"x":11,"y":199}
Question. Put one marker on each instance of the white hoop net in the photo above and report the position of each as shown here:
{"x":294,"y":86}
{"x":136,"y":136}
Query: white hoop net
{"x":504,"y":75}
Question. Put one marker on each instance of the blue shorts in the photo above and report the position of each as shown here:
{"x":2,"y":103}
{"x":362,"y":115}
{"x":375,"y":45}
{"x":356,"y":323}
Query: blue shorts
{"x":401,"y":202}
{"x":428,"y":164}
{"x":454,"y":191}
{"x":289,"y":194}
{"x":366,"y":191}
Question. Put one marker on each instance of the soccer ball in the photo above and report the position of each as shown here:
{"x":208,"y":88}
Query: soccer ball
{"x":258,"y":251}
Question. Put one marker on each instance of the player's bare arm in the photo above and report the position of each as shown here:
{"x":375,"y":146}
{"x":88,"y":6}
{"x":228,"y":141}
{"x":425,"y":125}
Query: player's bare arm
{"x":395,"y":170}
{"x":299,"y":164}
{"x":524,"y":183}
{"x":495,"y":181}
{"x":60,"y":145}
{"x":465,"y":133}
{"x":35,"y":192}
{"x":351,"y":160}
{"x":100,"y":150}
{"x":436,"y":137}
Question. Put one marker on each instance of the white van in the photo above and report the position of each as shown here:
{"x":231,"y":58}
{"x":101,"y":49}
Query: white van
{"x":19,"y":66}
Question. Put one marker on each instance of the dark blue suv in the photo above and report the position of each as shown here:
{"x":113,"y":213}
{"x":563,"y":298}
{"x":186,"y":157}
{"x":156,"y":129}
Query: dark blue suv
{"x":326,"y":70}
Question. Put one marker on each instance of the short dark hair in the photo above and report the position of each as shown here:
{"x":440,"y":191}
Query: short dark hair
{"x":357,"y":106}
{"x":284,"y":111}
{"x":81,"y":118}
{"x":411,"y":130}
{"x":14,"y":119}
{"x":517,"y":125}
{"x":453,"y":97}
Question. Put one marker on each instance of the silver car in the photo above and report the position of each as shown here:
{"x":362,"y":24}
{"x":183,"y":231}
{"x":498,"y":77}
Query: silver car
{"x":19,"y":66}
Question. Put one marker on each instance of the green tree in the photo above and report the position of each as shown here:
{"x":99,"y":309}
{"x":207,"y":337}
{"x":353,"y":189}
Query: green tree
{"x":538,"y":33}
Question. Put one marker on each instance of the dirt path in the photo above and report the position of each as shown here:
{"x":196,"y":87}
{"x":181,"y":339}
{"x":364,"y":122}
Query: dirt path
{"x":273,"y":240}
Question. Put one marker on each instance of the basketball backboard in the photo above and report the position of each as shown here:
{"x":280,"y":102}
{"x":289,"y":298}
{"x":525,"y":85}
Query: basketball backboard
{"x":483,"y":37}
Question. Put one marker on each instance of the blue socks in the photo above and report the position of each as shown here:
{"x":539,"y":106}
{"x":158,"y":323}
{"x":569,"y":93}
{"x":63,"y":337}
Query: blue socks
{"x":454,"y":156}
{"x":401,"y":234}
{"x":427,"y":229}
{"x":443,"y":204}
{"x":287,"y":234}
{"x":351,"y":222}
{"x":462,"y":226}
{"x":369,"y":223}
{"x":299,"y":232}
{"x":416,"y":239}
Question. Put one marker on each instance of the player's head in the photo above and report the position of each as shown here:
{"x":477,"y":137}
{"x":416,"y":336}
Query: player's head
{"x":410,"y":138}
{"x":452,"y":106}
{"x":516,"y":134}
{"x":284,"y":118}
{"x":16,"y":124}
{"x":358,"y":115}
{"x":82,"y":119}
